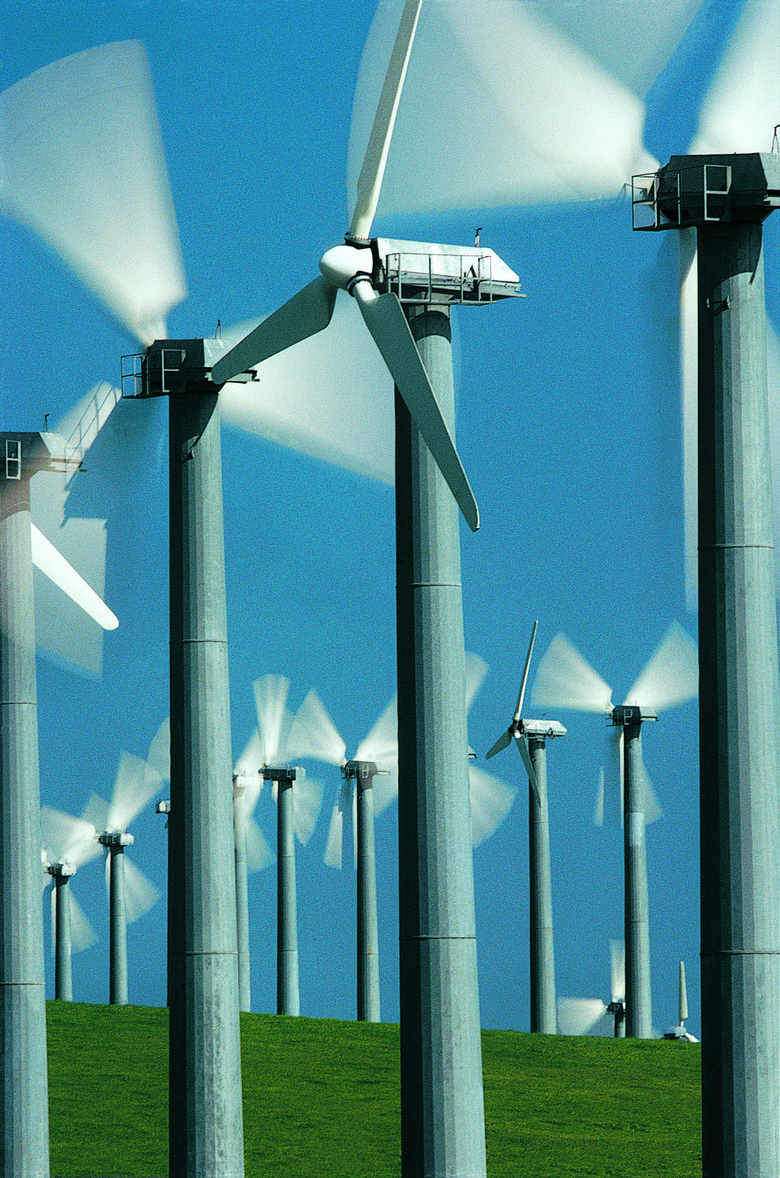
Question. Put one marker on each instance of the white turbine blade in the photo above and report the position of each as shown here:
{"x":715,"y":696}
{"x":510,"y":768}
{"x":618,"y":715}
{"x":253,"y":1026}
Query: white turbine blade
{"x":82,"y":424}
{"x":306,"y":399}
{"x":107,"y":873}
{"x":598,"y":806}
{"x":621,"y":759}
{"x":521,"y":693}
{"x":504,"y":739}
{"x":334,"y":846}
{"x":381,"y":743}
{"x":251,"y":760}
{"x":82,"y":934}
{"x":369,"y":182}
{"x":741,"y":107}
{"x":140,"y":892}
{"x":306,"y":313}
{"x":258,"y":852}
{"x":273,"y":719}
{"x":135,"y":785}
{"x":68,"y":839}
{"x":564,"y":679}
{"x":51,"y":562}
{"x":689,"y":395}
{"x":532,"y":114}
{"x":159,"y":755}
{"x":476,"y":670}
{"x":617,"y":957}
{"x":307,"y":803}
{"x":96,"y":813}
{"x":253,"y":787}
{"x":683,"y":1006}
{"x":384,"y":318}
{"x":491,"y":801}
{"x":578,"y":1016}
{"x":648,"y":798}
{"x":313,"y":733}
{"x":525,"y":753}
{"x":83,"y":166}
{"x":53,"y":903}
{"x":671,"y":676}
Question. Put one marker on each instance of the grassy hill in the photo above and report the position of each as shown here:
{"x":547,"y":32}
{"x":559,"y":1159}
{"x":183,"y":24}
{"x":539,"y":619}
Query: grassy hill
{"x":321,"y":1099}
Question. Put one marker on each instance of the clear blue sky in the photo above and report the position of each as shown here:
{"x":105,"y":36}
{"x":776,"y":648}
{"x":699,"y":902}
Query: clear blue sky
{"x":569,"y":427}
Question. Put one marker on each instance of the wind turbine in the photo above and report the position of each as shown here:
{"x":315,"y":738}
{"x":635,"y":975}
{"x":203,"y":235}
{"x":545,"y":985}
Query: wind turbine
{"x":578,"y":1016}
{"x":298,"y":803}
{"x":67,"y":845}
{"x":530,"y":737}
{"x":670,"y":677}
{"x":680,"y":1032}
{"x":443,"y":1113}
{"x":313,"y":734}
{"x":25,"y":1146}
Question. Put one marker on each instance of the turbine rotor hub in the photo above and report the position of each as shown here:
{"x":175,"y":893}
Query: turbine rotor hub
{"x":344,"y":264}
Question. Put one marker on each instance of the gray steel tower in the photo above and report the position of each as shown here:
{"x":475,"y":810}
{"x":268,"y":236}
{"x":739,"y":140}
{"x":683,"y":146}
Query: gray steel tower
{"x":726,"y":198}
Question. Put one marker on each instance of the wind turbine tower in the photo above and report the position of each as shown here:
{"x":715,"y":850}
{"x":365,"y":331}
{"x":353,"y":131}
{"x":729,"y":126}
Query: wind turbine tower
{"x":726,"y":198}
{"x":362,"y":773}
{"x":404,"y":291}
{"x":531,"y":737}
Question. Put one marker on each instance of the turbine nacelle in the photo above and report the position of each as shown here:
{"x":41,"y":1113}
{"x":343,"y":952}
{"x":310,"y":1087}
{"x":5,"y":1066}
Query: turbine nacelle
{"x":360,"y":770}
{"x":61,"y":870}
{"x":627,"y":715}
{"x":282,"y":772}
{"x":539,"y":729}
{"x":116,"y":838}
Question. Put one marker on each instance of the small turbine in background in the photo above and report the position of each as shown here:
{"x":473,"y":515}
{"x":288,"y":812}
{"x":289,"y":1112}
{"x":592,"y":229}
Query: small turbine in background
{"x":565,"y":679}
{"x":680,"y":1032}
{"x":67,"y":844}
{"x":530,"y":737}
{"x":298,"y":803}
{"x":578,"y":1016}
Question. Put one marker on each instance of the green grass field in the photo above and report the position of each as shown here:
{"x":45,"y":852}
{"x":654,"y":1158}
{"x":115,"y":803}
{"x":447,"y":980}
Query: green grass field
{"x":321,"y":1098}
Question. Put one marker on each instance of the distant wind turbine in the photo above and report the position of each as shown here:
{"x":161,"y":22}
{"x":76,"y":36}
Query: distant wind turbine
{"x":67,"y":845}
{"x":530,"y":737}
{"x":671,"y":676}
{"x":578,"y":1016}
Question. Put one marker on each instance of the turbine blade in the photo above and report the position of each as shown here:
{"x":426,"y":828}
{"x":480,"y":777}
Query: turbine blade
{"x":381,"y":743}
{"x":96,"y":813}
{"x":306,"y":399}
{"x":159,"y":755}
{"x":386,"y":321}
{"x":372,"y":172}
{"x":82,"y":424}
{"x":617,"y":957}
{"x":333,"y":848}
{"x":578,"y":1016}
{"x":307,"y":803}
{"x":273,"y":719}
{"x":68,"y":839}
{"x":258,"y":852}
{"x":651,"y":807}
{"x":135,"y":785}
{"x":740,"y":109}
{"x":54,"y":565}
{"x":491,"y":801}
{"x":83,"y":166}
{"x":524,"y":751}
{"x":313,"y":733}
{"x":82,"y":934}
{"x":598,"y":807}
{"x":671,"y":676}
{"x":504,"y":739}
{"x":140,"y":892}
{"x":476,"y":670}
{"x":53,"y":903}
{"x":683,"y":1008}
{"x":250,"y":761}
{"x":306,"y":313}
{"x":385,"y":787}
{"x":523,"y":682}
{"x":564,"y":679}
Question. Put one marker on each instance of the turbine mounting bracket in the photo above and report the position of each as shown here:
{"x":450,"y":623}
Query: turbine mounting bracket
{"x":702,"y":189}
{"x":175,"y":366}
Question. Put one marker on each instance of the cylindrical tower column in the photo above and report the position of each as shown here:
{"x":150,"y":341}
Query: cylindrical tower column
{"x":287,"y":989}
{"x":118,"y":926}
{"x":242,"y":899}
{"x":205,"y":1114}
{"x":738,"y":702}
{"x":639,"y":1015}
{"x":367,"y":923}
{"x":63,"y":944}
{"x":442,"y":1110}
{"x":24,"y":1108}
{"x":543,"y":1010}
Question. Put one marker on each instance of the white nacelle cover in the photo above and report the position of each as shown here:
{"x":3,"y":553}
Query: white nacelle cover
{"x":446,"y":261}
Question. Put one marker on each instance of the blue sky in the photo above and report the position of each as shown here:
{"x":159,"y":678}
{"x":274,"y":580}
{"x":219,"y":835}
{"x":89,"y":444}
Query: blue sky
{"x":568,"y":425}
